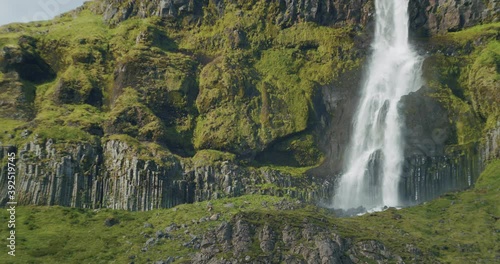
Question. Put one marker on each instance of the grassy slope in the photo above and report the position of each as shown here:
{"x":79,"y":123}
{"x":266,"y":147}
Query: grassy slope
{"x":456,"y":228}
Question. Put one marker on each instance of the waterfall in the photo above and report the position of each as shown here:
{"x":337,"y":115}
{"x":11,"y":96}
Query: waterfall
{"x":374,"y":159}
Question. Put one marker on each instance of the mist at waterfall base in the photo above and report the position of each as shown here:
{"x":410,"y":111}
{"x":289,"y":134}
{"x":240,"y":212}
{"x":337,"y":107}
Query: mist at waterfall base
{"x":374,"y":158}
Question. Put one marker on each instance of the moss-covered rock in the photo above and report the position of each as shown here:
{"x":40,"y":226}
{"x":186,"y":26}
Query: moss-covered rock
{"x":77,"y":86}
{"x":228,"y":103}
{"x":129,"y":116}
{"x":484,"y":83}
{"x":298,"y":151}
{"x":463,"y":75}
{"x":166,"y":84}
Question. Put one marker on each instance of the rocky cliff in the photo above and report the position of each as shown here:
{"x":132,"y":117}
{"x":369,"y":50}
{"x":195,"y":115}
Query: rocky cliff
{"x":116,"y":175}
{"x":147,"y":104}
{"x":430,"y":17}
{"x":427,"y":17}
{"x":288,"y":12}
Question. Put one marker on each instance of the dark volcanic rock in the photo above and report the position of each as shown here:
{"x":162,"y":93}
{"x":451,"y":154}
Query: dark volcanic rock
{"x":427,"y":17}
{"x":430,"y":17}
{"x":324,"y":12}
{"x":115,"y":175}
{"x":427,"y":125}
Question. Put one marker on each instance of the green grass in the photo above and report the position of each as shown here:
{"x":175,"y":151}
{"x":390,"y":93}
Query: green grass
{"x":445,"y":227}
{"x":142,"y":149}
{"x":67,"y":235}
{"x":473,"y":33}
{"x":9,"y":130}
{"x":455,"y":228}
{"x":9,"y":39}
{"x":86,"y":26}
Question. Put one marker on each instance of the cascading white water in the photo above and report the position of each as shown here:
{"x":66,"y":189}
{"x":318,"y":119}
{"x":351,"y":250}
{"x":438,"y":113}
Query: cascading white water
{"x":375,"y":154}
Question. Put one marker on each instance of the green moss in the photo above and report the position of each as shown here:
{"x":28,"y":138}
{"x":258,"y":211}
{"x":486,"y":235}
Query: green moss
{"x":9,"y":39}
{"x":10,"y":130}
{"x":474,"y":33}
{"x":129,"y":116}
{"x":226,"y":128}
{"x":468,"y":126}
{"x":208,"y":157}
{"x":484,"y":76}
{"x":466,"y":82}
{"x":84,"y":26}
{"x":71,"y":122}
{"x":262,"y":76}
{"x":62,"y":133}
{"x":298,"y":172}
{"x":142,"y":149}
{"x":296,"y":151}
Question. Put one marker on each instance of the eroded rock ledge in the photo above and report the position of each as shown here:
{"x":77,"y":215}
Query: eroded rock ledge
{"x":116,"y":176}
{"x":428,"y":17}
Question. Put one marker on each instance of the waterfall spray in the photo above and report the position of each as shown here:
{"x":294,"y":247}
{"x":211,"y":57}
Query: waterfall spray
{"x":375,"y":154}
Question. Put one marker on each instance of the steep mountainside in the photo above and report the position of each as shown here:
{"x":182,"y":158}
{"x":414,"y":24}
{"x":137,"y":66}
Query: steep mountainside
{"x":148,"y":104}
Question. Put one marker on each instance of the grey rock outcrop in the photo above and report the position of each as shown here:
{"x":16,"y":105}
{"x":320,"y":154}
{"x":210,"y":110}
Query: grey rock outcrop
{"x":303,"y":243}
{"x":430,"y":17}
{"x":324,"y":12}
{"x":115,"y":175}
{"x":491,"y":145}
{"x":427,"y":17}
{"x":427,"y":177}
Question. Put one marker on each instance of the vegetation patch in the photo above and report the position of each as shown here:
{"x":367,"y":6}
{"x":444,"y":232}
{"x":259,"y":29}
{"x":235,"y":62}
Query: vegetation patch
{"x":457,"y":227}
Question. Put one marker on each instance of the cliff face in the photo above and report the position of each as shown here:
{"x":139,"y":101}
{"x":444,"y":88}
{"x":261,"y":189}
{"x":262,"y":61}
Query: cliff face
{"x":147,"y":104}
{"x":117,"y":176}
{"x":448,"y":135}
{"x":430,"y":17}
{"x":427,"y":17}
{"x":289,"y":12}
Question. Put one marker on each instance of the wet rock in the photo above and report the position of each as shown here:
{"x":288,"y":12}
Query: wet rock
{"x":289,"y":235}
{"x":329,"y":251}
{"x":350,"y":212}
{"x":397,"y":216}
{"x":412,"y":249}
{"x":315,"y":244}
